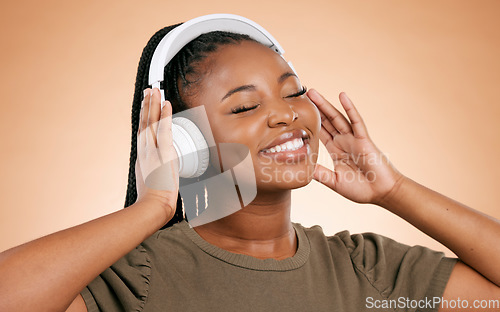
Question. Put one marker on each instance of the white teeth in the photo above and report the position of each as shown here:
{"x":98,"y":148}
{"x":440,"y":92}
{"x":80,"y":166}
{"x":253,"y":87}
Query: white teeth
{"x":291,"y":145}
{"x":296,"y":143}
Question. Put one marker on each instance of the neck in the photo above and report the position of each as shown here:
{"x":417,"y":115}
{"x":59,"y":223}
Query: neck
{"x":262,"y":229}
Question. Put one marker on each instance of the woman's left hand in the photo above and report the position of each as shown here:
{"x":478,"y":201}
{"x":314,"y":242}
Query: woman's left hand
{"x":362,"y":172}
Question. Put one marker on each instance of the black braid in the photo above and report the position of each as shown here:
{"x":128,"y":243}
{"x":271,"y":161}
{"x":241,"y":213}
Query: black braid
{"x":178,"y":73}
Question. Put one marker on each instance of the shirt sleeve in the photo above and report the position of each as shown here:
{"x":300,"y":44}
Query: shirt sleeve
{"x":122,"y":287}
{"x":410,"y":274}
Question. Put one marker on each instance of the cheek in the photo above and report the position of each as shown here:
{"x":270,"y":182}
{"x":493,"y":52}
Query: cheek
{"x":242,"y":130}
{"x":311,"y":118}
{"x":228,"y":131}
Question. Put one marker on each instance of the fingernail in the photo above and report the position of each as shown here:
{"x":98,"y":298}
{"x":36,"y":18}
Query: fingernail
{"x":315,"y":93}
{"x":145,"y":93}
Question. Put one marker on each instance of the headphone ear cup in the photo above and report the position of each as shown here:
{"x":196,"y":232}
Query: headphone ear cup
{"x":200,"y":155}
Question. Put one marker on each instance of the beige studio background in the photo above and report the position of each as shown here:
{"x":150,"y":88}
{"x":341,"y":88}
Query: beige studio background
{"x":424,"y":74}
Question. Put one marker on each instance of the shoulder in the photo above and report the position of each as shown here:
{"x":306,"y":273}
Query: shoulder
{"x":354,"y":244}
{"x":386,"y":263}
{"x":173,"y":235}
{"x":129,"y":280}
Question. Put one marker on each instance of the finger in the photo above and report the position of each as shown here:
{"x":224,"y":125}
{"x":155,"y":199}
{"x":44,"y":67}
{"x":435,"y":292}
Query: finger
{"x":327,"y":124}
{"x":140,"y":118}
{"x":166,"y":148}
{"x":325,"y":176}
{"x":325,"y":137}
{"x":165,"y":137}
{"x":154,"y":110}
{"x":151,"y":156}
{"x":143,"y":122}
{"x":139,"y":180}
{"x":335,"y":117}
{"x":357,"y":124}
{"x":332,"y":148}
{"x":141,"y":144}
{"x":141,"y":140}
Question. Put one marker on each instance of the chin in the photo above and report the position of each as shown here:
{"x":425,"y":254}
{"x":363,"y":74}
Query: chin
{"x":296,"y":185}
{"x":285,"y":180}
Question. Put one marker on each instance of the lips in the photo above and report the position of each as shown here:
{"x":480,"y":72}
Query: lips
{"x":286,"y":137}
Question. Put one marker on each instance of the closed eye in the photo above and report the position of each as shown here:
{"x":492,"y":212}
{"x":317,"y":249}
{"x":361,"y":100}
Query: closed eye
{"x":301,"y":92}
{"x":243,"y":108}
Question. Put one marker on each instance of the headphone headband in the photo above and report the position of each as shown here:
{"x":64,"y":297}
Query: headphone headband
{"x":177,"y":38}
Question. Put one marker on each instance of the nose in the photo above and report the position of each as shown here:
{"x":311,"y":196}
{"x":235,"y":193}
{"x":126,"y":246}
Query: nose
{"x":281,"y":114}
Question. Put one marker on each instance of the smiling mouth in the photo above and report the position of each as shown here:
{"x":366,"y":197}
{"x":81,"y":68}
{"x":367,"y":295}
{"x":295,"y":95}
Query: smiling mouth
{"x":289,"y":152}
{"x":288,"y":142}
{"x":288,"y":146}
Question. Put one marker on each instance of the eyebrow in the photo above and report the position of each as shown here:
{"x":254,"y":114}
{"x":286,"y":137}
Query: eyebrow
{"x":281,"y":78}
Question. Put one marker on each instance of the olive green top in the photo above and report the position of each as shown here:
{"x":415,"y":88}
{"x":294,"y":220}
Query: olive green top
{"x":177,"y":270}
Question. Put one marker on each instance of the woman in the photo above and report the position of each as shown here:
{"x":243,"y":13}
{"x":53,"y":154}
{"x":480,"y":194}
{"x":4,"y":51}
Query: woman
{"x":256,"y":258}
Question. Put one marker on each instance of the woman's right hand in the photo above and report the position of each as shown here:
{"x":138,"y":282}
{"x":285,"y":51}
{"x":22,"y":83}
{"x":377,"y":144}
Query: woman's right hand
{"x":156,"y":168}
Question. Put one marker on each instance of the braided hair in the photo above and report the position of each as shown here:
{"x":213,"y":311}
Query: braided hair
{"x":178,"y":76}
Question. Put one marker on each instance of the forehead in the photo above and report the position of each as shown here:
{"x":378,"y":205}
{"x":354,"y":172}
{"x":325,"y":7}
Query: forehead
{"x":234,"y":65}
{"x":243,"y":62}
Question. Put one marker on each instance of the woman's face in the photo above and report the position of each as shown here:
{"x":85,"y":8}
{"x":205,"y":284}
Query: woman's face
{"x":252,"y":97}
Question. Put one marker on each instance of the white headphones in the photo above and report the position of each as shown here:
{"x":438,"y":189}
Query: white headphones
{"x":189,"y":143}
